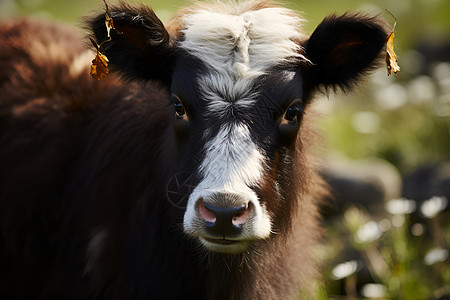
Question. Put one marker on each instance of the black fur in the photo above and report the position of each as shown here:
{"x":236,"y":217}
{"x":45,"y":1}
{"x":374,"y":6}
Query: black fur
{"x":140,"y":47}
{"x":342,"y":49}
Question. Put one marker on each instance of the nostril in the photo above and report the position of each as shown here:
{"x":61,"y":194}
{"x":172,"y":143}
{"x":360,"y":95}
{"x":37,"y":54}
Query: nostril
{"x":208,"y":216}
{"x":242,"y":216}
{"x":224,"y":216}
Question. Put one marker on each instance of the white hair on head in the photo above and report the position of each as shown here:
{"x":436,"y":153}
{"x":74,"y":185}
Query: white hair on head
{"x":242,"y":39}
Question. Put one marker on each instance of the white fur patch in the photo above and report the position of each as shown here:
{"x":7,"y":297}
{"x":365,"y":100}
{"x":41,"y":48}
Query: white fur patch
{"x":232,"y":164}
{"x":244,"y":44}
{"x":232,"y":160}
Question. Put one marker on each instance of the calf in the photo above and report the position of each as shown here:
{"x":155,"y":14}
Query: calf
{"x":187,"y":173}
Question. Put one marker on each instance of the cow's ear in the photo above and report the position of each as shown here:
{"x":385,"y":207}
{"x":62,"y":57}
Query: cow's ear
{"x":140,"y":46}
{"x":342,"y":49}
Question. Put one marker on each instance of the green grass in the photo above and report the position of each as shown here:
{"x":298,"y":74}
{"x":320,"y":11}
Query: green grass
{"x":396,"y":258}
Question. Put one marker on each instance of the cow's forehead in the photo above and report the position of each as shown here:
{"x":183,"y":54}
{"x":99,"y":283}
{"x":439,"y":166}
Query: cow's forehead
{"x":236,"y":49}
{"x":240,"y":46}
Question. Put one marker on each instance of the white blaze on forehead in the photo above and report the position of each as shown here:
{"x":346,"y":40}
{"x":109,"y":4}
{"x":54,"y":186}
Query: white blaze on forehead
{"x":244,"y":44}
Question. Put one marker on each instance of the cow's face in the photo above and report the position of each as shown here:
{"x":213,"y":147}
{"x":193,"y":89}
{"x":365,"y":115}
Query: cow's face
{"x":234,"y":145}
{"x":240,"y":79}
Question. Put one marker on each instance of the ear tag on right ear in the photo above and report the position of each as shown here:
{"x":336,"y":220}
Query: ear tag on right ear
{"x":391,"y":58}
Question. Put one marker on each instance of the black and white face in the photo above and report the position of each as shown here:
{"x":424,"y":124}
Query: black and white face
{"x":238,"y":97}
{"x":231,"y":142}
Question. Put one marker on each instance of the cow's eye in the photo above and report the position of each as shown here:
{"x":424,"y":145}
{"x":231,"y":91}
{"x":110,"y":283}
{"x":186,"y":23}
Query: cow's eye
{"x":293,"y":112}
{"x":180,"y":111}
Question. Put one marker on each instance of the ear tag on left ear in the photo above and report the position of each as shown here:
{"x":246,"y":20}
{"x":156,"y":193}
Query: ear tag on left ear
{"x":99,"y":67}
{"x":391,"y":58}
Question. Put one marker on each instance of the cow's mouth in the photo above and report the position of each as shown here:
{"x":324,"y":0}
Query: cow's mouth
{"x":224,"y":245}
{"x":221,"y":241}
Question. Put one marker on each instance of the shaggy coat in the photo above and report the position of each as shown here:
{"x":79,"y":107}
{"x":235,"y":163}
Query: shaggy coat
{"x":186,"y":174}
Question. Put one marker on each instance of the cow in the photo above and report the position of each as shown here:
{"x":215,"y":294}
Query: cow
{"x":188,"y":173}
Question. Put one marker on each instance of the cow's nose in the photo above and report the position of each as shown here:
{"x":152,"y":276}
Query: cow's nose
{"x":223,"y":216}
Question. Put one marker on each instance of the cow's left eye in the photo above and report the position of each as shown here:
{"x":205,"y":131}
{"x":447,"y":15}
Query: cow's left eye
{"x":293,"y":112}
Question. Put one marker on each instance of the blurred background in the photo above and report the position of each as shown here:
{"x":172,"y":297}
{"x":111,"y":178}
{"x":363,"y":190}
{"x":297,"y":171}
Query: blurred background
{"x":386,"y":152}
